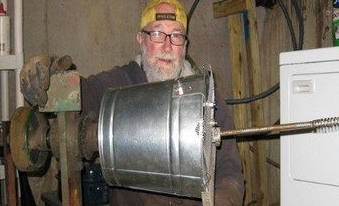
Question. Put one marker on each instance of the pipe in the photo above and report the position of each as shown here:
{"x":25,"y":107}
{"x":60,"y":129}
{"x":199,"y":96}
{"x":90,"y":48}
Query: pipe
{"x":4,"y":96}
{"x":10,"y":171}
{"x":5,"y":39}
{"x":18,"y":51}
{"x":18,"y":48}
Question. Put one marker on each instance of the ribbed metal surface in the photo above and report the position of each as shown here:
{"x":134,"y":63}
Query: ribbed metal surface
{"x":151,"y":136}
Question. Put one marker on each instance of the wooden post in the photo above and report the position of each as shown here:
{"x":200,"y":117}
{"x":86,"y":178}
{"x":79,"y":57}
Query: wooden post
{"x":240,"y":111}
{"x":226,"y":8}
{"x":10,"y":179}
{"x":257,"y":113}
{"x":255,"y":169}
{"x":70,"y":161}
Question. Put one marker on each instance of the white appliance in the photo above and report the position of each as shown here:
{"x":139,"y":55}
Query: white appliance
{"x":309,"y":89}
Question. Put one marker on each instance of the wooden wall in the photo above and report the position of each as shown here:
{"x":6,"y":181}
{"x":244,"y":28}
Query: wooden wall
{"x":263,"y":179}
{"x":275,"y":38}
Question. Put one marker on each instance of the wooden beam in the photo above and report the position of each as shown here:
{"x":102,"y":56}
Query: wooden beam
{"x":257,"y":112}
{"x":70,"y":161}
{"x":237,"y":55}
{"x":255,"y":170}
{"x":11,"y":192}
{"x":228,"y":7}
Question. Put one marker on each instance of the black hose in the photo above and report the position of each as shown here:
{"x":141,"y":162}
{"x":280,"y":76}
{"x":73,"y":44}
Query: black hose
{"x":253,"y":98}
{"x":289,"y":24}
{"x":189,"y":16}
{"x":301,"y":23}
{"x":295,"y":47}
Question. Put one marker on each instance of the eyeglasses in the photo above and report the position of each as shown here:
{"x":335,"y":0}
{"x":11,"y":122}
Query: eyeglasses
{"x":160,"y":37}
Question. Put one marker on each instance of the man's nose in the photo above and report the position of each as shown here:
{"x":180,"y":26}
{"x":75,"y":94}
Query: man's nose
{"x":167,"y":46}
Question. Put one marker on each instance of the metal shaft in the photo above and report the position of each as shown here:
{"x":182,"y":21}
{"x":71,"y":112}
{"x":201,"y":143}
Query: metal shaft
{"x":324,"y":125}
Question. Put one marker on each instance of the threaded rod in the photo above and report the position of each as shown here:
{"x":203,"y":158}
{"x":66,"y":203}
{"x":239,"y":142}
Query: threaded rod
{"x":320,"y":125}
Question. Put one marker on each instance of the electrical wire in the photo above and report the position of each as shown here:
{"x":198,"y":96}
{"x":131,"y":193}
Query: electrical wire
{"x":189,"y":16}
{"x":265,"y":3}
{"x":301,"y":23}
{"x":253,"y":98}
{"x":289,"y":24}
{"x":295,"y":47}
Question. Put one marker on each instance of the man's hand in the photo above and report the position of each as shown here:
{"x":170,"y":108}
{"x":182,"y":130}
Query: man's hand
{"x":35,"y":76}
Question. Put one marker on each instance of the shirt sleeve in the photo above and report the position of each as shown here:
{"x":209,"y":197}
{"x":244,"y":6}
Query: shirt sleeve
{"x":94,"y":87}
{"x":229,"y":185}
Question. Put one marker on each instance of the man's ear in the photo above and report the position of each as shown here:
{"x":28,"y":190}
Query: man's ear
{"x":139,"y":38}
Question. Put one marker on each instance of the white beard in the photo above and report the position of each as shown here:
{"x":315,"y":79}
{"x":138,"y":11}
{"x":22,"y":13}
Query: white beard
{"x":155,"y":74}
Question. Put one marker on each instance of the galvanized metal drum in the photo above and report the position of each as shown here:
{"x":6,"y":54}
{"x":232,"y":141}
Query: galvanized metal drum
{"x":158,"y":136}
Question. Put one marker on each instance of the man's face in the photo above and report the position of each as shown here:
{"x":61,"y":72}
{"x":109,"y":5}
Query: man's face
{"x":165,"y":59}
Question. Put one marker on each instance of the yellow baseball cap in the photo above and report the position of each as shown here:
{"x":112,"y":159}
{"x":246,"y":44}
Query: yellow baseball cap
{"x":149,"y":14}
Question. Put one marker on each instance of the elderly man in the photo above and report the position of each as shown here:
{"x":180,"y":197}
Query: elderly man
{"x":162,"y":40}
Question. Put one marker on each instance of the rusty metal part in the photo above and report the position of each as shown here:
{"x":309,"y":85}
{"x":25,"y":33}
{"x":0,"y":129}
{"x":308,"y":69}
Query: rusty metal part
{"x":64,"y":98}
{"x":11,"y":192}
{"x":61,"y":64}
{"x":38,"y":131}
{"x":54,"y":138}
{"x":35,"y":76}
{"x":321,"y":125}
{"x":88,"y":134}
{"x":91,"y":140}
{"x":70,"y":159}
{"x":87,"y":137}
{"x":28,"y":132}
{"x":63,"y":93}
{"x":34,"y":79}
{"x":45,"y":82}
{"x":67,"y":146}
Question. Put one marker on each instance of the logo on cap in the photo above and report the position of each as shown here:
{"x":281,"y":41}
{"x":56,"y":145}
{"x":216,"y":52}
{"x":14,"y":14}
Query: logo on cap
{"x":165,"y":16}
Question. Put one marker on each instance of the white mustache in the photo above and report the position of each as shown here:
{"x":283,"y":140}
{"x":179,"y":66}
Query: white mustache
{"x":165,"y":56}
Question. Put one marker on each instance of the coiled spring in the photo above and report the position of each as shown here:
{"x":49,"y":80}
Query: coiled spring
{"x":326,"y":125}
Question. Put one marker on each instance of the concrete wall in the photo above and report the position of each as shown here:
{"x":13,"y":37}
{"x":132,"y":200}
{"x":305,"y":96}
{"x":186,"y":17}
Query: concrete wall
{"x":100,"y":34}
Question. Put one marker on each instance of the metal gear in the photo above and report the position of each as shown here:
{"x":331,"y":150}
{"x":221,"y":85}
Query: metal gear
{"x":28,"y":140}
